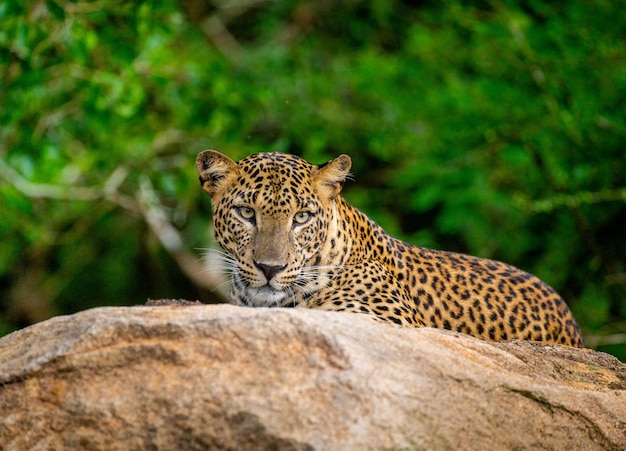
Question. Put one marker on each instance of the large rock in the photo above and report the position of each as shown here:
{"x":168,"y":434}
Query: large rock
{"x":207,"y":377}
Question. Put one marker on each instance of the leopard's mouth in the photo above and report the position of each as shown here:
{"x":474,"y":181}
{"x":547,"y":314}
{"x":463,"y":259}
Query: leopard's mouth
{"x":269,"y":294}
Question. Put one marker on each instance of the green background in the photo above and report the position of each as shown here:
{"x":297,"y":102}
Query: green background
{"x":495,"y":128}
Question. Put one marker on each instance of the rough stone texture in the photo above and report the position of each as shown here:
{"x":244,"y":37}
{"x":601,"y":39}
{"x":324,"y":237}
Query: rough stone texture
{"x":206,"y":377}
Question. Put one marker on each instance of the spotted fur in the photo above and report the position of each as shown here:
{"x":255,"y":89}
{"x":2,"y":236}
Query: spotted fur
{"x":293,"y":241}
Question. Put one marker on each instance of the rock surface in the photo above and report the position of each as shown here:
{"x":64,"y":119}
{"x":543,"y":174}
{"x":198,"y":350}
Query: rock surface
{"x":225,"y":377}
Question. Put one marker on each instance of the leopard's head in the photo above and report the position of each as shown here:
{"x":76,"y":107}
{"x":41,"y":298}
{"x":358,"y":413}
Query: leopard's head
{"x":273,"y":215}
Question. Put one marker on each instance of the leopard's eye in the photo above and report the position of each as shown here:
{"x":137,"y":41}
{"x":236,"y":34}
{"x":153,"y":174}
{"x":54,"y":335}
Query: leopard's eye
{"x":246,"y":213}
{"x":302,"y":217}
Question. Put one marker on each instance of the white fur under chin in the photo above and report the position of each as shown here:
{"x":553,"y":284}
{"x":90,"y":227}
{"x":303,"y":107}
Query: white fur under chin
{"x":264,"y":297}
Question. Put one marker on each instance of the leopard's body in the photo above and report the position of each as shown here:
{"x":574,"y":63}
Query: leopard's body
{"x":294,"y":241}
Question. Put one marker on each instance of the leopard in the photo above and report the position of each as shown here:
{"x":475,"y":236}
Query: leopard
{"x":290,"y":239}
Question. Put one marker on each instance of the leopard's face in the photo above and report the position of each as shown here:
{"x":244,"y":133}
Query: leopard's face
{"x":271,"y":214}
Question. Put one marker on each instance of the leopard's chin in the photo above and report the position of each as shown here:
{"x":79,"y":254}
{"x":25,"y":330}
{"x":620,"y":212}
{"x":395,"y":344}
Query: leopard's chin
{"x":265,"y":296}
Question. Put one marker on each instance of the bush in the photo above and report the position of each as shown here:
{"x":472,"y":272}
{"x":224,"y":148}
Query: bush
{"x":491,"y":128}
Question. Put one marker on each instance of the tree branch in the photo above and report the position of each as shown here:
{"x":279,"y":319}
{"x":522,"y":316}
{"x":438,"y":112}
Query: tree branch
{"x":145,"y":203}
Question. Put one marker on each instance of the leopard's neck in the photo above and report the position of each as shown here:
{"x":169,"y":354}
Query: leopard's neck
{"x":362,"y":237}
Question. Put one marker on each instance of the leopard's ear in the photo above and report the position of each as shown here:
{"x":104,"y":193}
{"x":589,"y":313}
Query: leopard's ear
{"x":214,"y":167}
{"x":329,"y":177}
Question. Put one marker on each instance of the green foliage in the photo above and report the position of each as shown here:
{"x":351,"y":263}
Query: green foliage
{"x":492,"y":128}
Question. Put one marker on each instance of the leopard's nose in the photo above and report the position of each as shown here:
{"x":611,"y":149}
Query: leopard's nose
{"x":269,"y":271}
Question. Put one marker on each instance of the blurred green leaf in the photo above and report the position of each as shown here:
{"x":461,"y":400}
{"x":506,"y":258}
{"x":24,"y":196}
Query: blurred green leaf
{"x":495,"y":129}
